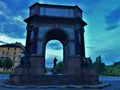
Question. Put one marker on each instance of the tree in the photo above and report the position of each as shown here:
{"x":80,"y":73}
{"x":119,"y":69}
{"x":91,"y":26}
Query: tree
{"x":60,"y":67}
{"x":1,"y":63}
{"x":8,"y":63}
{"x":98,"y":65}
{"x":116,"y":63}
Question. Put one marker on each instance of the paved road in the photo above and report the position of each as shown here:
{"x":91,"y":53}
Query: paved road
{"x":114,"y":81}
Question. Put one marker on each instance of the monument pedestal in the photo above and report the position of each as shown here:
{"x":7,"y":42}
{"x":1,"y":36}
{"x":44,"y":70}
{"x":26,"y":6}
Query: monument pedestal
{"x":74,"y":73}
{"x":37,"y":65}
{"x":20,"y":75}
{"x":54,"y":70}
{"x":73,"y":66}
{"x":89,"y":76}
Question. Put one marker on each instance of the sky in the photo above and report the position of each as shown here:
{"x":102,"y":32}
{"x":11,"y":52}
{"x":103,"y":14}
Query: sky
{"x":102,"y":33}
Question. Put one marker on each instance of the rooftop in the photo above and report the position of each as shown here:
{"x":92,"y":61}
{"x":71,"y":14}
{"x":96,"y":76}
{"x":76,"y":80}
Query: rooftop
{"x":57,"y":6}
{"x":15,"y":45}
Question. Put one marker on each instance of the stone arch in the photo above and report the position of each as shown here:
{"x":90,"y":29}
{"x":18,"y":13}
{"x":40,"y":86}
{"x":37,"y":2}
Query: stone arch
{"x":57,"y":34}
{"x":60,"y":35}
{"x":71,"y":35}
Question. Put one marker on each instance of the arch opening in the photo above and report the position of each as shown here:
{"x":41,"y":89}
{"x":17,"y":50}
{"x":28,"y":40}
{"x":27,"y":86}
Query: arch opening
{"x":62,"y":37}
{"x":54,"y":48}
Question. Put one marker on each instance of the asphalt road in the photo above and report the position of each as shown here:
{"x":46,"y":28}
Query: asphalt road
{"x":114,"y":81}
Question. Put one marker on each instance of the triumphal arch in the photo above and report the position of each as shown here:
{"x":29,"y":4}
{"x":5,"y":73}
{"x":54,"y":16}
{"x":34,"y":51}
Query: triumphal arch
{"x":54,"y":22}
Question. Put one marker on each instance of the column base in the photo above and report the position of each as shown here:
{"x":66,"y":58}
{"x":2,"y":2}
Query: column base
{"x":89,"y":76}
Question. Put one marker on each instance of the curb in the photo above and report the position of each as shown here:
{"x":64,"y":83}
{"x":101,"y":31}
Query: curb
{"x":97,"y":86}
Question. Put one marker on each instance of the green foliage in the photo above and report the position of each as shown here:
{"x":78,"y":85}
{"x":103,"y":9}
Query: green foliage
{"x":60,"y":67}
{"x":7,"y":63}
{"x":112,"y":70}
{"x":98,"y":65}
{"x":116,"y":63}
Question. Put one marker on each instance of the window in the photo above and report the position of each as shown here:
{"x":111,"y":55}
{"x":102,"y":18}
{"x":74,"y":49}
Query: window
{"x":14,"y":59}
{"x":7,"y":53}
{"x":59,"y":12}
{"x":14,"y":53}
{"x":56,"y":12}
{"x":3,"y":53}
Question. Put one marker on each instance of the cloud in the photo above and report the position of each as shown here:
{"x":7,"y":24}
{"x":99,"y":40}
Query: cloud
{"x":3,"y":8}
{"x":14,"y":31}
{"x":87,"y":2}
{"x":110,"y":56}
{"x":90,"y":47}
{"x":2,"y":42}
{"x":54,"y":44}
{"x":16,"y":5}
{"x":11,"y":25}
{"x":112,"y":27}
{"x":113,"y":19}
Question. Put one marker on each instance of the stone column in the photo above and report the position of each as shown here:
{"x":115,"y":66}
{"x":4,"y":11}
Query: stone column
{"x":37,"y":65}
{"x":74,"y":66}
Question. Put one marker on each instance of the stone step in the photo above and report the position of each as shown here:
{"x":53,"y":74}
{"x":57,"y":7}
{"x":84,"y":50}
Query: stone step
{"x":54,"y":80}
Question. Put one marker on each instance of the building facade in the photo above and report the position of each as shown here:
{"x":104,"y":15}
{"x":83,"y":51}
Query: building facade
{"x":13,"y":51}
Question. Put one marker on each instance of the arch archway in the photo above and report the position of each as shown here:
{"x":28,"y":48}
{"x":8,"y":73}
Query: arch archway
{"x":60,"y":35}
{"x":54,"y":48}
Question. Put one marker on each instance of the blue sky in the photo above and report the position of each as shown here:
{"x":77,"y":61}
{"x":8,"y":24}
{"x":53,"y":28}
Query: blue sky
{"x":102,"y":34}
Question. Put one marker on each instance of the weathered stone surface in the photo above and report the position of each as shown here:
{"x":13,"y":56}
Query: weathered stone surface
{"x":73,"y":66}
{"x":20,"y":74}
{"x":21,"y":71}
{"x":37,"y":62}
{"x":89,"y":76}
{"x":37,"y":71}
{"x":47,"y":80}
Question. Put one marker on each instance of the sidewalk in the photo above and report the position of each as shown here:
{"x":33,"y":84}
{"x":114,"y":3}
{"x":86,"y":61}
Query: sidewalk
{"x":97,"y":86}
